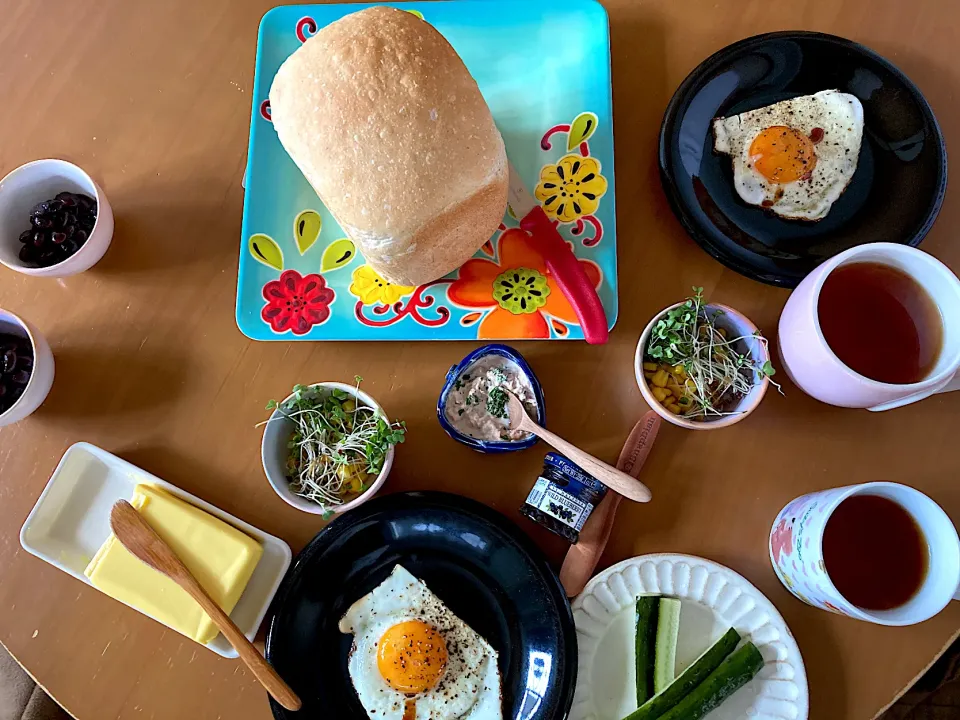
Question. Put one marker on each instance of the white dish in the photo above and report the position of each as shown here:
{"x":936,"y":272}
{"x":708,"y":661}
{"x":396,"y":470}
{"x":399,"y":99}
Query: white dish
{"x":713,"y":598}
{"x":274,"y":453}
{"x":41,"y":378}
{"x":71,"y":520}
{"x":41,"y":180}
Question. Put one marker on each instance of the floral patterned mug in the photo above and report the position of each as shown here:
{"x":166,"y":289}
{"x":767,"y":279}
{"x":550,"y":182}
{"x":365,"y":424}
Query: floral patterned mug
{"x":796,"y":552}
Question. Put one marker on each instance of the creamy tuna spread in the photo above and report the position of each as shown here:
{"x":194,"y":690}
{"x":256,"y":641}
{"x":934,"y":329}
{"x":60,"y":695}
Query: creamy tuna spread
{"x":477,"y":404}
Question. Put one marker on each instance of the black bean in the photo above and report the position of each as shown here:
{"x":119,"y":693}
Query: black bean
{"x":28,"y":254}
{"x":9,"y":361}
{"x":21,"y":377}
{"x":26,"y":236}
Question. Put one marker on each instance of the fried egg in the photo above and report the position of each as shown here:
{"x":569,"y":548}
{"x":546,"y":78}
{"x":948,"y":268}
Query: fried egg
{"x":413,"y":659}
{"x":795,"y":157}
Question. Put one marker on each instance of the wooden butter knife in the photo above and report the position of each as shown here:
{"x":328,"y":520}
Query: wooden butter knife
{"x":582,"y":558}
{"x":136,"y":535}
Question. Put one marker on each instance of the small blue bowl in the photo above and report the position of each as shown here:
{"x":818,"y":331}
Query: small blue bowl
{"x":491,"y":446}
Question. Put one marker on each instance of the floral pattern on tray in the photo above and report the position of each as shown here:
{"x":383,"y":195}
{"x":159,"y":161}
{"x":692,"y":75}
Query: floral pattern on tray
{"x":302,"y":279}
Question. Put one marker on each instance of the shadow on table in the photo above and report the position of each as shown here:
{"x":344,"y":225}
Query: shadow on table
{"x":173,"y":226}
{"x":93,"y":382}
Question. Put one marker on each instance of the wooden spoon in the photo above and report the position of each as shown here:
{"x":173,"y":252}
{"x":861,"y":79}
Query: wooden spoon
{"x":614,"y":479}
{"x":136,"y":535}
{"x":582,"y":558}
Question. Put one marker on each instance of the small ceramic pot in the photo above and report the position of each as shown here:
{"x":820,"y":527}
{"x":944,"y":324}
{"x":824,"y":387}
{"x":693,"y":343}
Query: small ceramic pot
{"x":736,"y":324}
{"x":34,"y":183}
{"x":41,"y":377}
{"x":490,"y":446}
{"x":274,"y":453}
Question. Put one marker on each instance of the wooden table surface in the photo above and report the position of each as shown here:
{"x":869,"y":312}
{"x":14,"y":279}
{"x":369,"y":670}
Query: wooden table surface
{"x":153,"y":98}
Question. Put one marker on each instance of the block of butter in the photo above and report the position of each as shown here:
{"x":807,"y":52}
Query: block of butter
{"x":221,"y":558}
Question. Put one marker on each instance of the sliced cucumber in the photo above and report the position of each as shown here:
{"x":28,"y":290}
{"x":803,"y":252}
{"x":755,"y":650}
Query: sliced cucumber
{"x":668,"y":627}
{"x":646,"y":642}
{"x":734,"y":672}
{"x":690,"y":678}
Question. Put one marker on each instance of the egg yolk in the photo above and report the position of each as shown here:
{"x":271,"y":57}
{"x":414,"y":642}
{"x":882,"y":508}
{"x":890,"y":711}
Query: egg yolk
{"x":412,"y":656}
{"x":783,"y":155}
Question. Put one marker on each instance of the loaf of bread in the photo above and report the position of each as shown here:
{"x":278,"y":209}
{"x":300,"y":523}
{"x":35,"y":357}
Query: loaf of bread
{"x":382,"y":117}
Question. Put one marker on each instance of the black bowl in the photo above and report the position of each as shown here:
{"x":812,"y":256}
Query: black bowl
{"x":479,"y":563}
{"x":894,"y":196}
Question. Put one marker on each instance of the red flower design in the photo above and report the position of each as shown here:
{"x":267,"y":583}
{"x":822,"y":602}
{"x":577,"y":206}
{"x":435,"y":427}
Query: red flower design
{"x":781,"y":541}
{"x":296,"y":303}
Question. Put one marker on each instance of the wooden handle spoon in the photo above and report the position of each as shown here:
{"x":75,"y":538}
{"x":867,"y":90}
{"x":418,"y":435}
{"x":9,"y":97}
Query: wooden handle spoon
{"x":614,"y":479}
{"x":136,"y":535}
{"x":582,"y":558}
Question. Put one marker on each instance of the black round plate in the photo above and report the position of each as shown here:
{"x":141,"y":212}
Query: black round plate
{"x":479,"y":563}
{"x":894,"y":196}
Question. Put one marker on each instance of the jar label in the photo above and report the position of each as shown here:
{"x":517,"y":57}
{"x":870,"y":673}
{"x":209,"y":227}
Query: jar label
{"x":553,"y":501}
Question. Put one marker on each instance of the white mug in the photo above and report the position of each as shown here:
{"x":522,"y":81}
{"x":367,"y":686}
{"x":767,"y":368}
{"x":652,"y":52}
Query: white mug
{"x":797,"y":554}
{"x":815,"y":369}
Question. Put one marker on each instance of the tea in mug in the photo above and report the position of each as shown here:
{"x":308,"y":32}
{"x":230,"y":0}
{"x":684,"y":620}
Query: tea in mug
{"x":880,"y":322}
{"x":874,"y":552}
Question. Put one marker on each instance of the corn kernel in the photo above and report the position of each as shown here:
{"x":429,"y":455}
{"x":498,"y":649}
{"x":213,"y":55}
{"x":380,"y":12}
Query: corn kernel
{"x":677,"y":369}
{"x":650,"y":367}
{"x":660,"y":394}
{"x":660,"y":378}
{"x":674,"y":408}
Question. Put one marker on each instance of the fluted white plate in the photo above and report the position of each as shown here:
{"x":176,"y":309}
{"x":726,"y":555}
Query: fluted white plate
{"x":713,"y":598}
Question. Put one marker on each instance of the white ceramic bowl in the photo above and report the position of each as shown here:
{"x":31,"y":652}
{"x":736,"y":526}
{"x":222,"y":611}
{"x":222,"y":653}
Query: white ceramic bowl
{"x":41,"y":378}
{"x":733,"y":322}
{"x":274,"y":454}
{"x":34,"y":183}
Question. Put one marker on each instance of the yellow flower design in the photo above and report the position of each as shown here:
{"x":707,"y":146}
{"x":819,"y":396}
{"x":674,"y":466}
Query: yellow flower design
{"x":572,"y":188}
{"x":372,"y":289}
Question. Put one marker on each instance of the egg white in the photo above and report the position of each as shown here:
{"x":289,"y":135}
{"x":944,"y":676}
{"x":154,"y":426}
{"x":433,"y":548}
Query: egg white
{"x":470,"y":686}
{"x":839,"y":115}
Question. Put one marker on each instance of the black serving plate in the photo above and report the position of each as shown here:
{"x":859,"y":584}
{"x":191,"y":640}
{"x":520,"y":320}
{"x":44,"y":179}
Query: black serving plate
{"x":894,"y":196}
{"x":479,"y":563}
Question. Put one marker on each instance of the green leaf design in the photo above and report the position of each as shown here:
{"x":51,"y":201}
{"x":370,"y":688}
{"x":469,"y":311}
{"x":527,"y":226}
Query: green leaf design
{"x":306,"y":229}
{"x":265,"y":249}
{"x":581,"y":130}
{"x":338,"y":254}
{"x":417,"y":13}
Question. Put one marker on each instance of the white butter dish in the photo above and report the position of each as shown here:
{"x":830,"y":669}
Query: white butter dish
{"x":71,"y":520}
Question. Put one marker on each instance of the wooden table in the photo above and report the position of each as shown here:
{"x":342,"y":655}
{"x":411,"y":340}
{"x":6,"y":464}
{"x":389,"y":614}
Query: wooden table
{"x":154,"y":100}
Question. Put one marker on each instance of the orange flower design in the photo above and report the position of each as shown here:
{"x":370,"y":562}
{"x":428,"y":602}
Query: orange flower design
{"x":519,"y":291}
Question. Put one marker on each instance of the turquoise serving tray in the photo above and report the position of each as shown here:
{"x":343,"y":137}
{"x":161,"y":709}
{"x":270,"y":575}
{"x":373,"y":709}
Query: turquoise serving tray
{"x":544,"y":69}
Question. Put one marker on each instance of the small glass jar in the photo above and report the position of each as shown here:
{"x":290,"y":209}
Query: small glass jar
{"x":563,"y":497}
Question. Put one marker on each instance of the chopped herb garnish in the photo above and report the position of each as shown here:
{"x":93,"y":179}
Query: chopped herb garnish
{"x":497,"y":403}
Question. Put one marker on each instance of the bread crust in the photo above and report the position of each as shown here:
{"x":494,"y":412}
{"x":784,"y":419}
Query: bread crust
{"x":386,"y":123}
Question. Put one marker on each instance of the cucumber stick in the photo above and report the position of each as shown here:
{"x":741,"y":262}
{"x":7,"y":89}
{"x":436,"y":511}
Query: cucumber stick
{"x":734,"y":672}
{"x":668,"y":627}
{"x":690,"y":678}
{"x":646,"y":642}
